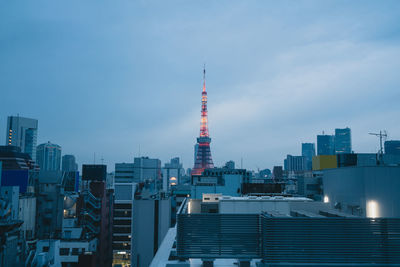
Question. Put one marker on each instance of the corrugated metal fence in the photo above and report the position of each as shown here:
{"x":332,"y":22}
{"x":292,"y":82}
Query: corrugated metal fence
{"x":218,"y":236}
{"x":330,"y":240}
{"x":292,"y":240}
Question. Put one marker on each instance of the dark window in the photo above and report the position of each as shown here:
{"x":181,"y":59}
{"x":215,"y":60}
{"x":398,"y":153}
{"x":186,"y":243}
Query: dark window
{"x":118,"y":213}
{"x":64,"y":251}
{"x":122,"y":222}
{"x":122,"y":230}
{"x":123,"y":206}
{"x":75,"y":251}
{"x":121,"y":238}
{"x":46,"y":249}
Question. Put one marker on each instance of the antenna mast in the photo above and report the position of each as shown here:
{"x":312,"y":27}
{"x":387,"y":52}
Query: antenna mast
{"x":381,"y":134}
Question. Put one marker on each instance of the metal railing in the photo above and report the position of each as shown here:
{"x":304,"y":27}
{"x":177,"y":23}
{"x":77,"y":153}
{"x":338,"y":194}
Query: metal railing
{"x":92,"y":200}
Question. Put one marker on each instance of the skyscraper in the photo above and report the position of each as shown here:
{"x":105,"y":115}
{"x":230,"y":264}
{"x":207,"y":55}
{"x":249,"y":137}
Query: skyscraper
{"x":22,"y":132}
{"x":392,"y":147}
{"x":203,"y":155}
{"x":326,"y":144}
{"x":48,"y":156}
{"x":308,"y":151}
{"x":69,"y":163}
{"x":342,"y":141}
{"x":295,"y":163}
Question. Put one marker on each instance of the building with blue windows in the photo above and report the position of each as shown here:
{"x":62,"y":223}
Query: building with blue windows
{"x":392,"y":147}
{"x":325,"y":144}
{"x":308,"y":151}
{"x":343,"y":141}
{"x":48,"y":156}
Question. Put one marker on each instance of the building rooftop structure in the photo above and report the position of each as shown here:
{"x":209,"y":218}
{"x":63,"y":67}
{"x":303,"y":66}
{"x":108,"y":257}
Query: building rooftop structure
{"x":368,"y":191}
{"x":14,"y":159}
{"x":269,"y":231}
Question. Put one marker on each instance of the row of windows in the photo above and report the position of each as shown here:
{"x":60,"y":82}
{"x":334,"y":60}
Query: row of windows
{"x":122,"y":222}
{"x":125,"y":213}
{"x":126,"y":238}
{"x":122,"y":230}
{"x":121,"y":246}
{"x":122,"y":206}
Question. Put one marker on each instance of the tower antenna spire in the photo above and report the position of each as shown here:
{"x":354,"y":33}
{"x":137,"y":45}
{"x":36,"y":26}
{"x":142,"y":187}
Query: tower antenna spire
{"x":204,"y":77}
{"x":203,"y":159}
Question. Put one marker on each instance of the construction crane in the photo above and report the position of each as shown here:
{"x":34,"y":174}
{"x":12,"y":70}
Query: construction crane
{"x":381,"y":134}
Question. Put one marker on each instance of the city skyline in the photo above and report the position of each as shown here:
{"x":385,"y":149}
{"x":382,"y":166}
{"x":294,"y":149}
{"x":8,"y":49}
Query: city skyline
{"x":265,"y":71}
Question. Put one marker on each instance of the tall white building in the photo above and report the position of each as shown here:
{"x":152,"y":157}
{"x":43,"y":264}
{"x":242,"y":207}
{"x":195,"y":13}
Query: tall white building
{"x":22,"y":132}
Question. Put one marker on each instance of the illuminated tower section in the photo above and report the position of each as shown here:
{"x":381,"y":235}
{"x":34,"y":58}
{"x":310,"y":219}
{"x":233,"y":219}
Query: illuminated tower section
{"x":203,"y":158}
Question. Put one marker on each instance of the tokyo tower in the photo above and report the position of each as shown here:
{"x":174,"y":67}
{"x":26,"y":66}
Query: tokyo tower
{"x":203,"y":158}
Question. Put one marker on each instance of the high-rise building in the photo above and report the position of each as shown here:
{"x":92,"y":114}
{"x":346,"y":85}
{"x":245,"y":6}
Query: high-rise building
{"x":146,"y":168}
{"x":48,"y":156}
{"x":124,"y":193}
{"x":308,"y":151}
{"x":124,"y":172}
{"x":203,"y":159}
{"x":392,"y":147}
{"x":326,"y":144}
{"x":342,"y":141}
{"x":22,"y":132}
{"x":96,"y":209}
{"x":295,"y":163}
{"x":69,"y":163}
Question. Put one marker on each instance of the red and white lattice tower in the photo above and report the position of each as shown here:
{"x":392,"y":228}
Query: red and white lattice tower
{"x":203,"y":159}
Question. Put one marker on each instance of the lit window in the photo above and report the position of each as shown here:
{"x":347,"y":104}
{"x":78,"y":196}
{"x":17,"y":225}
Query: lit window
{"x":326,"y":199}
{"x":372,"y":209}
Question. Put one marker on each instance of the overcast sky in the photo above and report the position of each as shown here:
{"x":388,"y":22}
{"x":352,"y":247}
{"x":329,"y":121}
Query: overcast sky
{"x":108,"y":77}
